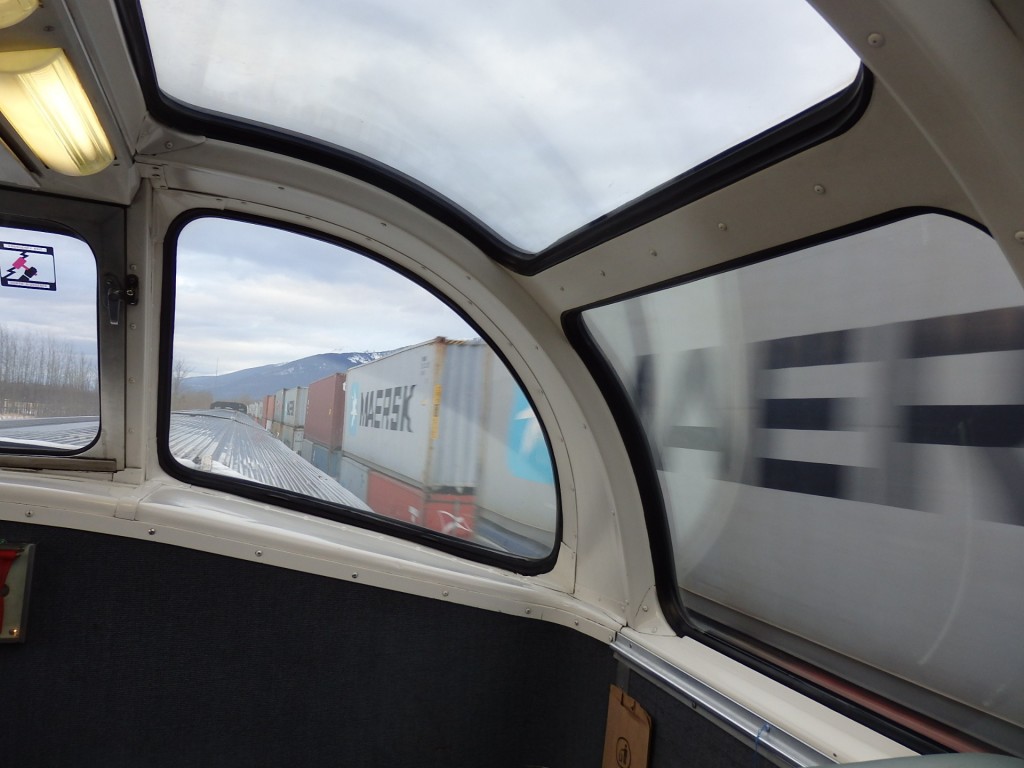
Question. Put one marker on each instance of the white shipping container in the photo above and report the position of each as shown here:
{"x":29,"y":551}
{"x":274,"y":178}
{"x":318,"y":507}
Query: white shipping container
{"x":417,"y":414}
{"x":516,"y":492}
{"x":295,"y":399}
{"x":287,"y":435}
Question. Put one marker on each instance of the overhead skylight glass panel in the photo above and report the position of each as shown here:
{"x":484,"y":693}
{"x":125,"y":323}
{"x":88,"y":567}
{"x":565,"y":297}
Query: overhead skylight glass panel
{"x":537,"y":117}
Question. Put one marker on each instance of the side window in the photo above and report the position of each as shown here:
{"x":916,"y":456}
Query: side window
{"x":307,"y":370}
{"x":838,"y":436}
{"x":49,"y":387}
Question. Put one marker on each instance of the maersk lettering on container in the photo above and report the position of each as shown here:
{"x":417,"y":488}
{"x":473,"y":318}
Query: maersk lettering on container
{"x":417,"y":414}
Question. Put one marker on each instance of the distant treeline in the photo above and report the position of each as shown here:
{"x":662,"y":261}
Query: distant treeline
{"x":40,"y":376}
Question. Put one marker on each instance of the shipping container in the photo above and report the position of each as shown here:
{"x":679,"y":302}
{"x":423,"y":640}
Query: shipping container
{"x":255,"y":410}
{"x":319,"y":457}
{"x":268,"y":410}
{"x":451,"y":514}
{"x":516,"y":497}
{"x":305,"y":449}
{"x":279,"y":406}
{"x":448,"y":513}
{"x":324,"y":459}
{"x":294,"y":412}
{"x":354,"y":476}
{"x":325,"y":412}
{"x":287,"y":435}
{"x":417,"y":413}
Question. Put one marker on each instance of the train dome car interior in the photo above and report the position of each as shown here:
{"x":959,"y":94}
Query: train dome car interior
{"x":527,"y":384}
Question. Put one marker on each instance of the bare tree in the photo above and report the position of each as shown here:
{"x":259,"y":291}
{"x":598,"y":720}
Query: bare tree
{"x":40,"y":376}
{"x":191,"y":400}
{"x":180,"y":371}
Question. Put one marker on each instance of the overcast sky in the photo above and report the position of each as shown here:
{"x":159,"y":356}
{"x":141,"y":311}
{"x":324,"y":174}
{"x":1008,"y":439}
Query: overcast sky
{"x":535,"y":115}
{"x":250,"y":295}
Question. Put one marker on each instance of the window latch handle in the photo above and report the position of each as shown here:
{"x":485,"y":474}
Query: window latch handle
{"x":114,"y":295}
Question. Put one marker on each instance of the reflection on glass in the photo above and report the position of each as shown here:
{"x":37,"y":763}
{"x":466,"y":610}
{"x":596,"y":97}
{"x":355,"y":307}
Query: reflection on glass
{"x":838,"y":435}
{"x":301,"y":365}
{"x":49,"y":396}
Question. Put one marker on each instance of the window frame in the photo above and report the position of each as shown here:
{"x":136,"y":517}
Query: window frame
{"x":819,"y":123}
{"x":102,"y":228}
{"x":307,"y":504}
{"x":842,"y":694}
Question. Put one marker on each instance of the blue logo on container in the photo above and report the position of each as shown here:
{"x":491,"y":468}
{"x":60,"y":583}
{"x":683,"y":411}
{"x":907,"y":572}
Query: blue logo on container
{"x":527,"y":451}
{"x":352,"y":392}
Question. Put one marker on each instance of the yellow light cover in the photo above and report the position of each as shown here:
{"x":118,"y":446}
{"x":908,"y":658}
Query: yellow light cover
{"x":13,"y":11}
{"x":43,"y":99}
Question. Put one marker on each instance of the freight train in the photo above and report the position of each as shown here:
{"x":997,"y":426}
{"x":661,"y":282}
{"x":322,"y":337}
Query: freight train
{"x":437,"y":434}
{"x":702,"y":440}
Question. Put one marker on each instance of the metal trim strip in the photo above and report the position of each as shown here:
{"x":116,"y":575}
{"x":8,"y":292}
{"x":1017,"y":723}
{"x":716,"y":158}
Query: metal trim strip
{"x":764,"y":737}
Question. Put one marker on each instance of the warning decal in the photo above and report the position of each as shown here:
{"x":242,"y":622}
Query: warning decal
{"x":27,"y":266}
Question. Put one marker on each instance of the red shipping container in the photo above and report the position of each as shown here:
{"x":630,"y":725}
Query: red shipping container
{"x":448,"y":513}
{"x":451,"y":514}
{"x":390,"y":498}
{"x":325,"y":411}
{"x":268,"y":410}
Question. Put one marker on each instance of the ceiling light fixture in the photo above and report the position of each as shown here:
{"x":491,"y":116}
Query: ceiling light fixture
{"x":13,"y":11}
{"x":43,"y":99}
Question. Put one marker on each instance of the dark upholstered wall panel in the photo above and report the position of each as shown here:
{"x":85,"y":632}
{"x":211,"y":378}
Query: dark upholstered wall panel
{"x":140,"y":653}
{"x":681,"y":738}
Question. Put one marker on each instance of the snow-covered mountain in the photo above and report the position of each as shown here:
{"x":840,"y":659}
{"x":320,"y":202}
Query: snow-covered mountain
{"x":254,"y":383}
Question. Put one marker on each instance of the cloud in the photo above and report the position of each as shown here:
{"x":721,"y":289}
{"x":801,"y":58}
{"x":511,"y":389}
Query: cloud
{"x":536,"y":116}
{"x":250,"y":295}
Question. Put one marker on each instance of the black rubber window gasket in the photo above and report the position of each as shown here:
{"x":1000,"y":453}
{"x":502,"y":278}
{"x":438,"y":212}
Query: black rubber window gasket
{"x":814,"y":125}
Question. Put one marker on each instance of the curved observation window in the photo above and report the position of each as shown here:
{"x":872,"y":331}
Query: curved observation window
{"x":535,"y":117}
{"x":838,"y":436}
{"x":309,"y":374}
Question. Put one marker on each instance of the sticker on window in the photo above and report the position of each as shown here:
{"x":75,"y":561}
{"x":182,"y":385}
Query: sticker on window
{"x":28,"y":266}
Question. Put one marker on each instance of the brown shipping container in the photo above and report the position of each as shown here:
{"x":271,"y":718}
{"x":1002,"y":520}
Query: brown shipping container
{"x":268,"y":410}
{"x":325,"y":413}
